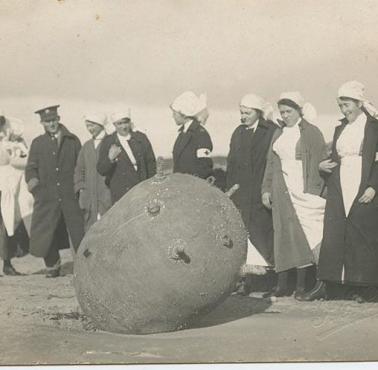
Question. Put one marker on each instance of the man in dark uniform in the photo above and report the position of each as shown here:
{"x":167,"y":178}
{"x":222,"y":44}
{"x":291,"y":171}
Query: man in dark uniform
{"x":126,"y":157}
{"x":245,"y":166}
{"x":193,"y":146}
{"x":49,"y":173}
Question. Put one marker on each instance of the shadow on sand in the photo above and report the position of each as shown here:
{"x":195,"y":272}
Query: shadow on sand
{"x":65,"y":269}
{"x":235,"y":307}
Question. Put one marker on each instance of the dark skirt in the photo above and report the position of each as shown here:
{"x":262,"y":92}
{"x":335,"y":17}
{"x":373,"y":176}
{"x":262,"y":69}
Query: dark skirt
{"x":349,"y":251}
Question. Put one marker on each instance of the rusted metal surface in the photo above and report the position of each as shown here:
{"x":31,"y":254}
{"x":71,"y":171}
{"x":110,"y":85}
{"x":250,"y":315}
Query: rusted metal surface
{"x":166,"y":253}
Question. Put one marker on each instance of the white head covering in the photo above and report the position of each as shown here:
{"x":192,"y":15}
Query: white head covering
{"x":257,"y":102}
{"x":2,"y":113}
{"x":353,"y":90}
{"x":294,"y":96}
{"x":13,"y":127}
{"x":269,"y":111}
{"x":202,"y":102}
{"x":253,"y":101}
{"x":203,"y":112}
{"x":116,"y":116}
{"x":308,"y":110}
{"x":189,"y":104}
{"x":356,"y":90}
{"x":98,"y":118}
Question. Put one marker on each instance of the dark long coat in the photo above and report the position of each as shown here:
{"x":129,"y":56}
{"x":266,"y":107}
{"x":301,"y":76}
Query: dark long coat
{"x":94,"y":195}
{"x":121,"y":175}
{"x":352,"y":242}
{"x":291,"y":248}
{"x":54,"y":167}
{"x":185,"y":159}
{"x":246,"y":163}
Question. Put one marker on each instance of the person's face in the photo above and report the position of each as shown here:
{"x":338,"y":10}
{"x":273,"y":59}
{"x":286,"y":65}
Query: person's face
{"x":289,"y":115}
{"x":179,"y":118}
{"x":93,"y":128}
{"x":123,"y":126}
{"x":350,"y":108}
{"x":248,"y":116}
{"x":52,"y":125}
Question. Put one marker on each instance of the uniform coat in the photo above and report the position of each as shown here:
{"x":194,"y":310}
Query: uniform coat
{"x":352,"y":242}
{"x":246,"y":163}
{"x":54,"y":196}
{"x":94,"y":197}
{"x":185,"y":159}
{"x":121,"y":175}
{"x":291,"y":248}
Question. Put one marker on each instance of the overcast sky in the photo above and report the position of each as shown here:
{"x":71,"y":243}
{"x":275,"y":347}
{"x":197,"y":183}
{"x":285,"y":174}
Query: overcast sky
{"x":145,"y":52}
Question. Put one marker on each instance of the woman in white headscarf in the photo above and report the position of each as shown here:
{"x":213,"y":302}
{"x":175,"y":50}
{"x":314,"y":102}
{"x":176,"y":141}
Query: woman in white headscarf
{"x":292,"y":187}
{"x":349,"y":252}
{"x":193,"y":146}
{"x":93,"y":194}
{"x":125,"y":157}
{"x":246,"y":163}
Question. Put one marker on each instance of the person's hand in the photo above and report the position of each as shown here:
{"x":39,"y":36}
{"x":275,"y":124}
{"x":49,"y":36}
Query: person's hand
{"x":211,"y":180}
{"x":267,"y":200}
{"x":327,"y":165}
{"x":114,"y":152}
{"x":78,"y":193}
{"x":367,"y":196}
{"x":32,"y":184}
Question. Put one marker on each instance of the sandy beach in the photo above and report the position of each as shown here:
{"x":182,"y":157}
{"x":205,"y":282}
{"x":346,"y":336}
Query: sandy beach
{"x":41,"y":323}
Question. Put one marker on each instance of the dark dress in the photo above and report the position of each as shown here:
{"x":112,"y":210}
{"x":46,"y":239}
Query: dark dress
{"x":94,"y":195}
{"x":185,"y":158}
{"x":246,"y":163}
{"x":121,"y":175}
{"x":351,"y":243}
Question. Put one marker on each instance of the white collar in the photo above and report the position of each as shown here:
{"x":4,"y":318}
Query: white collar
{"x":253,"y":127}
{"x":360,"y":120}
{"x":123,"y":138}
{"x":186,"y":125}
{"x":100,"y":136}
{"x":57,"y":135}
{"x":296,"y":123}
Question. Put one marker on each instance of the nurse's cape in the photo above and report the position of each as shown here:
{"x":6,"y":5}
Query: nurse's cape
{"x":16,"y":202}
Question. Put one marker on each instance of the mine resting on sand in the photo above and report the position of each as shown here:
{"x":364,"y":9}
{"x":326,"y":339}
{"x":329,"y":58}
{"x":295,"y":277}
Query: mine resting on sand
{"x":167,"y":252}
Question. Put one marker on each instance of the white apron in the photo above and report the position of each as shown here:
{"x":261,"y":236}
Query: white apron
{"x":309,"y":208}
{"x":348,"y":146}
{"x":255,"y":263}
{"x":9,"y":187}
{"x":16,"y":202}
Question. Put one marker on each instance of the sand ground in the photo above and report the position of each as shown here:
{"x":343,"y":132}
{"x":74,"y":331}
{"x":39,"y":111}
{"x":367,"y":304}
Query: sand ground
{"x":41,"y":323}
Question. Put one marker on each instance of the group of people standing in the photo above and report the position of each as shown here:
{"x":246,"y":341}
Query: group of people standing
{"x":72,"y":186}
{"x":323,"y":202}
{"x":302,"y":204}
